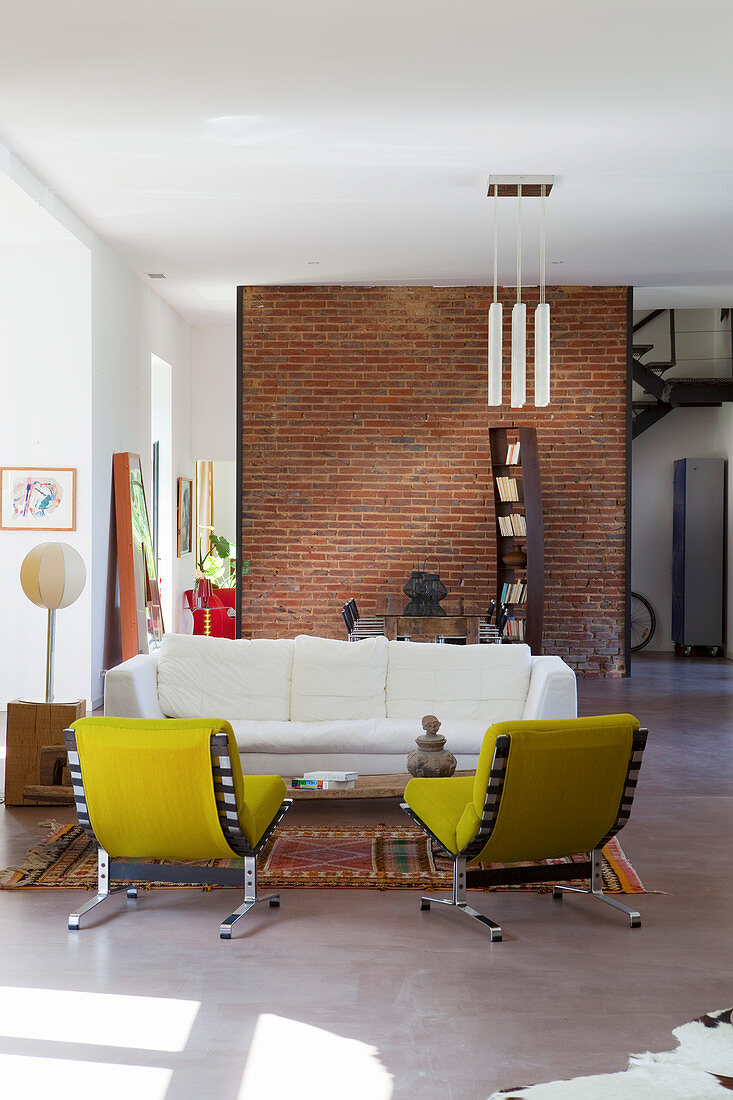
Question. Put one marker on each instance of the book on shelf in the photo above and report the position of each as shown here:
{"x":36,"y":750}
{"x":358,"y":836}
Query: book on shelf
{"x":512,"y":525}
{"x":514,"y":592}
{"x":512,"y":454}
{"x":508,"y":488}
{"x":514,"y":630}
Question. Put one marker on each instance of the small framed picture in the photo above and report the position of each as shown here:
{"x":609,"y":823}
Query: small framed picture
{"x":37,"y":498}
{"x":185,"y":515}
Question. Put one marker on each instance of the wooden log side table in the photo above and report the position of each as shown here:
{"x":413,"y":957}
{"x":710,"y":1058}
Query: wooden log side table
{"x":30,"y":728}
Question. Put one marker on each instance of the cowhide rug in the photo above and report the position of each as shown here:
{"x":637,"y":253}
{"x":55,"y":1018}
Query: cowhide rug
{"x":700,"y":1067}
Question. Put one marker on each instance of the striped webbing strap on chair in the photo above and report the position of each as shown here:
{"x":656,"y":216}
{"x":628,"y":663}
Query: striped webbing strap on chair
{"x":492,"y":801}
{"x":632,"y":778}
{"x":77,"y":784}
{"x":226,"y":801}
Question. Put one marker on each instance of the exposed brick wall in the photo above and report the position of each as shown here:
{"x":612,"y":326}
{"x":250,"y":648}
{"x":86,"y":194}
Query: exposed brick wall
{"x":365,"y":447}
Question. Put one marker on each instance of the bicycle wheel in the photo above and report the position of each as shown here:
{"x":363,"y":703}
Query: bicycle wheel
{"x":643,"y":622}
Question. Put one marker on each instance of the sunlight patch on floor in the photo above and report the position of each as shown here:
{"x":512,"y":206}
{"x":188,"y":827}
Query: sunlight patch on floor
{"x":103,"y":1019}
{"x":320,"y":1065}
{"x":65,"y":1079}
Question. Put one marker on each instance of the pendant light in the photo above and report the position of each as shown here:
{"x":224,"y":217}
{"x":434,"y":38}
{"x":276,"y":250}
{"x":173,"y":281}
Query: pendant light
{"x":521,"y":187}
{"x":495,"y":323}
{"x":519,"y":324}
{"x":542,"y":326}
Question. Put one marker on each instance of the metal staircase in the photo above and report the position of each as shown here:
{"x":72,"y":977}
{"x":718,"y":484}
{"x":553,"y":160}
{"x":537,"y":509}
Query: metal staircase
{"x":672,"y":393}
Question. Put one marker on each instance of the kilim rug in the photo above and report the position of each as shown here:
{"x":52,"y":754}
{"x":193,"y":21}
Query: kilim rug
{"x":700,"y":1067}
{"x":381,"y":857}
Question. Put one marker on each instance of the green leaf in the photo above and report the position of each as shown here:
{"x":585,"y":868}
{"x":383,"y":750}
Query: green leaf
{"x":221,"y":545}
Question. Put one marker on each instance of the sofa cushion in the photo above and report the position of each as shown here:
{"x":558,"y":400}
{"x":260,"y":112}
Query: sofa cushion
{"x":300,"y":737}
{"x":462,"y":735}
{"x":338,"y":680}
{"x":199,"y":676}
{"x":486,"y":682}
{"x":383,"y":735}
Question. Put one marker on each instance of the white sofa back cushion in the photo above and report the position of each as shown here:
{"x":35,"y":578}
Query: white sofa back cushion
{"x":221,"y":678}
{"x":333,"y":680}
{"x":487,"y":682}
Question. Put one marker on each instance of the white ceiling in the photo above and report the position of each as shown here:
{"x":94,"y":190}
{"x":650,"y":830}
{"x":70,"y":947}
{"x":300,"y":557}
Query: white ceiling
{"x":227,"y":142}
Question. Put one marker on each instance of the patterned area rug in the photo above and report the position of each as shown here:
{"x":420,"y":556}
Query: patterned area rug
{"x":700,"y":1067}
{"x":379,"y":857}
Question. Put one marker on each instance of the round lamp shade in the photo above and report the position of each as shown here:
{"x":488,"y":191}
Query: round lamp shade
{"x":53,"y":575}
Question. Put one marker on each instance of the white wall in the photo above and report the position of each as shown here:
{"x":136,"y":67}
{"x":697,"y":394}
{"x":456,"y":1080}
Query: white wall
{"x":225,"y":499}
{"x":683,"y":433}
{"x":45,"y":377}
{"x":161,"y":431}
{"x":129,"y":323}
{"x":214,"y":390}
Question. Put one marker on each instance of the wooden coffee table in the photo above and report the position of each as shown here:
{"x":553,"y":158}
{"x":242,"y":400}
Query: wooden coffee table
{"x":366,"y":786}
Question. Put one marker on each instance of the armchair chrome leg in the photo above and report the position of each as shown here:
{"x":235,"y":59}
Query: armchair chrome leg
{"x":251,"y":898}
{"x":103,"y":890}
{"x":596,"y":890}
{"x":225,"y":930}
{"x":76,"y":916}
{"x":458,"y":901}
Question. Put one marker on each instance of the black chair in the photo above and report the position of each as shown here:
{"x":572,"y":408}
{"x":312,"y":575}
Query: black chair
{"x":358,"y":627}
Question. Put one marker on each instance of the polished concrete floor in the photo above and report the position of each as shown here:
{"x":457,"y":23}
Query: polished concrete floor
{"x":358,"y":993}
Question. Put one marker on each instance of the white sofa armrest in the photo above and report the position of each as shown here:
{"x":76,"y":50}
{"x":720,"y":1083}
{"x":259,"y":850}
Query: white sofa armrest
{"x":131,"y":689}
{"x":552,"y":690}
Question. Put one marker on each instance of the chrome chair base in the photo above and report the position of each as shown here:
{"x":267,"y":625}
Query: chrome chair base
{"x":458,"y":901}
{"x":75,"y":917}
{"x":104,"y":890}
{"x":595,"y":889}
{"x":462,"y":907}
{"x":251,"y":898}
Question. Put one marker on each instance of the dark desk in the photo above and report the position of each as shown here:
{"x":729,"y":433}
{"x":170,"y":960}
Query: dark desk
{"x":429,"y":627}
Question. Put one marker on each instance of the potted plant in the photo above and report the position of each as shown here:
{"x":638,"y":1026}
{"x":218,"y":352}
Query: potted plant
{"x":215,"y":565}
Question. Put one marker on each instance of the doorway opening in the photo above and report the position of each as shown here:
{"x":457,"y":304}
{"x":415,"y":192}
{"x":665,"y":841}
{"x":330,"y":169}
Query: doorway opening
{"x":162,"y":504}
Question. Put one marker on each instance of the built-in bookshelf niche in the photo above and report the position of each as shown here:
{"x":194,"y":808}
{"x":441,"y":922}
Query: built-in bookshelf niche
{"x":520,"y":553}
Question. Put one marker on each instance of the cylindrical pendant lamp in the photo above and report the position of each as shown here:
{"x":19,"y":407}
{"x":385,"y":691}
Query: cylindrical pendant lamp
{"x":519,"y":325}
{"x":495,"y":352}
{"x":542,"y":327}
{"x":542,"y":355}
{"x":495,"y":324}
{"x":519,"y":355}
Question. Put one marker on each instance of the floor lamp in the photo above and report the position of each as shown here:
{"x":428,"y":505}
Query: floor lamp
{"x":52,"y":576}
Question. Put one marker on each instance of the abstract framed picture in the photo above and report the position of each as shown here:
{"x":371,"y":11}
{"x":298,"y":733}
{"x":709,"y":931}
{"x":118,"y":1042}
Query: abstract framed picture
{"x":185,"y":515}
{"x":37,"y":498}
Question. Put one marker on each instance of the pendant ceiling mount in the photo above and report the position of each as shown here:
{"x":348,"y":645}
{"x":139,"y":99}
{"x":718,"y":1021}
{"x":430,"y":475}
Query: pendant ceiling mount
{"x":520,"y":187}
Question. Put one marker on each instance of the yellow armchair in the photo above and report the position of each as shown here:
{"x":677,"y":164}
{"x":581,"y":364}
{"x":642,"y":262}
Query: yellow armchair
{"x":170,"y":790}
{"x":542,"y":790}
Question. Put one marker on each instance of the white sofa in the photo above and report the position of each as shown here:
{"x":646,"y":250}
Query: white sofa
{"x":305,"y":703}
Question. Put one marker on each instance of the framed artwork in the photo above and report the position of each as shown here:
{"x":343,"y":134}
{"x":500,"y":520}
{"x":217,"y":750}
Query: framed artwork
{"x":141,"y":619}
{"x":37,"y":498}
{"x":185,"y":515}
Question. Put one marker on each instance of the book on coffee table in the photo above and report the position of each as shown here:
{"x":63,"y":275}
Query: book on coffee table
{"x":324,"y":780}
{"x":336,"y":777}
